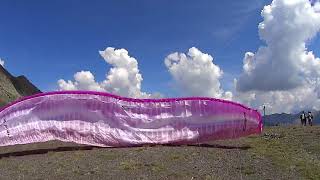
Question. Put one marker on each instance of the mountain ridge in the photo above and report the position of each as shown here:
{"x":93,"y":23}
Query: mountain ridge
{"x":12,"y":87}
{"x":286,"y":119}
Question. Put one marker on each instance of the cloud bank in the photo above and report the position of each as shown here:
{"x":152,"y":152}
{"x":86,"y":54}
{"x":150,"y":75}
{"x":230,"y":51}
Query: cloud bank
{"x":284,"y":75}
{"x":195,"y":74}
{"x":123,"y":78}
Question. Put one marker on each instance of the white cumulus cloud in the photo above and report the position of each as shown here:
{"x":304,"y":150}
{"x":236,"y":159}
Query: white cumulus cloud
{"x":283,"y":75}
{"x":1,"y":62}
{"x":195,"y":74}
{"x":123,"y":78}
{"x":289,"y":101}
{"x":84,"y":80}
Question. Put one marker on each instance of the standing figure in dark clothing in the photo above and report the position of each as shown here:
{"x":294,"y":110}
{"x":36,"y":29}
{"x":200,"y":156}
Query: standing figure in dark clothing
{"x":310,"y":118}
{"x":303,"y":119}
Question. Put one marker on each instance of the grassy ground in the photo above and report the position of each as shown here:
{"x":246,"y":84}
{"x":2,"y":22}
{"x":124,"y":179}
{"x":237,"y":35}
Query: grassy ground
{"x":279,"y":153}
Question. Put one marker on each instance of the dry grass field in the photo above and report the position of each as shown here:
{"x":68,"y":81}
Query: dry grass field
{"x":278,"y":153}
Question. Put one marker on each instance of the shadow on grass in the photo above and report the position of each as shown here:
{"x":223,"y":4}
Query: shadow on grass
{"x":47,"y":150}
{"x":85,"y":148}
{"x":218,"y":146}
{"x":222,"y":146}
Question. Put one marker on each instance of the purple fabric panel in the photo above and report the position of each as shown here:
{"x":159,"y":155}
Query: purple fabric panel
{"x":102,"y":119}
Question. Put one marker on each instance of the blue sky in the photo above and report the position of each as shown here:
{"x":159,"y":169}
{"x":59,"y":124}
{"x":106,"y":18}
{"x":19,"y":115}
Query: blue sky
{"x":51,"y":40}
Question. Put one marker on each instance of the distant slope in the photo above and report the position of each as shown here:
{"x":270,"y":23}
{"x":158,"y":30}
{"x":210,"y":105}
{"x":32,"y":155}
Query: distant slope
{"x":278,"y":119}
{"x":12,"y":87}
{"x":282,"y":119}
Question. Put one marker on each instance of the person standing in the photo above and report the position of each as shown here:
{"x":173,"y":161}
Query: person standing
{"x":310,"y":118}
{"x":303,"y":119}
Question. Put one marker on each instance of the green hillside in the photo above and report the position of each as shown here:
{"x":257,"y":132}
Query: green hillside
{"x":12,"y":87}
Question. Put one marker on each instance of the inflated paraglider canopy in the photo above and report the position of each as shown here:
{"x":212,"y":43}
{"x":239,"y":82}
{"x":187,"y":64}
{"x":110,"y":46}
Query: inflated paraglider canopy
{"x":103,"y":119}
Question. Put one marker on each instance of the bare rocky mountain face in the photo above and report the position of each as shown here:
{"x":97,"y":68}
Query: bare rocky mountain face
{"x":12,"y":88}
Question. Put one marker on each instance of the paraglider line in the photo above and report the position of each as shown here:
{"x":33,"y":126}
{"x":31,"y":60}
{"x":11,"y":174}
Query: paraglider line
{"x":245,"y":122}
{"x":6,"y":127}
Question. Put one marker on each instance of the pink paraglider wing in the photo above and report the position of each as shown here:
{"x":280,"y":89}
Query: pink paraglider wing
{"x":103,"y":119}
